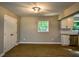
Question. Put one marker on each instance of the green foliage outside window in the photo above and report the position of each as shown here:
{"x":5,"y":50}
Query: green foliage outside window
{"x":43,"y":26}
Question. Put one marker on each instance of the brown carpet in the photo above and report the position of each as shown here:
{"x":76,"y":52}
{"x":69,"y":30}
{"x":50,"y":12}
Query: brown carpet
{"x":38,"y":50}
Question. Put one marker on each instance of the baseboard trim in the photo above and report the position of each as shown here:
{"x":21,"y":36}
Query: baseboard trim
{"x":39,"y":42}
{"x":10,"y":48}
{"x":2,"y":54}
{"x":17,"y":44}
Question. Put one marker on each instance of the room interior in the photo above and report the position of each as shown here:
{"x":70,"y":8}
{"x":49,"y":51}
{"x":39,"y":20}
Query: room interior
{"x":39,"y":29}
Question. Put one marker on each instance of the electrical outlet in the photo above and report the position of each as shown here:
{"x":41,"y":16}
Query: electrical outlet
{"x":24,"y":38}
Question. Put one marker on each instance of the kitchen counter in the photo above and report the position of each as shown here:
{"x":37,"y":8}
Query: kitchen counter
{"x":65,"y":37}
{"x":69,"y":33}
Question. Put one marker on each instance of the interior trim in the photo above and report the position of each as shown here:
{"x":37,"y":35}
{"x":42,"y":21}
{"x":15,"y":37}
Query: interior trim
{"x":2,"y":54}
{"x":69,"y":15}
{"x":39,"y":42}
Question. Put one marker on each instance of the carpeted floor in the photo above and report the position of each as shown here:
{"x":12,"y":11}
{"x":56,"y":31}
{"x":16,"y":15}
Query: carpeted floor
{"x":39,"y":50}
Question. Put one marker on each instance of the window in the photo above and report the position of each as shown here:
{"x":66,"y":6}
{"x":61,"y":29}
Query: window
{"x":76,"y":23}
{"x":43,"y":26}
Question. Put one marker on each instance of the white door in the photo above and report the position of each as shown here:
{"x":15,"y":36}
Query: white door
{"x":10,"y":32}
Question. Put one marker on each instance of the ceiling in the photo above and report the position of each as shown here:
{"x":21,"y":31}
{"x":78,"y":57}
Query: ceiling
{"x":47,"y":8}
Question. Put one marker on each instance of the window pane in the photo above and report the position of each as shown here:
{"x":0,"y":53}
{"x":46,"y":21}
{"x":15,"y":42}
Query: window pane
{"x":43,"y":26}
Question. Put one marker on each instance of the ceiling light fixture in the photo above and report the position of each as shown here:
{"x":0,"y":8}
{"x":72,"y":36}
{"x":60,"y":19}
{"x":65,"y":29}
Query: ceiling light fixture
{"x":36,"y":9}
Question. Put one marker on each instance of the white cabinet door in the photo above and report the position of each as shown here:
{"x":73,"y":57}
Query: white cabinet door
{"x":65,"y":40}
{"x":10,"y":32}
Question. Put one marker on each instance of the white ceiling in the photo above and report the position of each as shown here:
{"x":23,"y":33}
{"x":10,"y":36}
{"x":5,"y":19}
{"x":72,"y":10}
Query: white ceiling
{"x":47,"y":8}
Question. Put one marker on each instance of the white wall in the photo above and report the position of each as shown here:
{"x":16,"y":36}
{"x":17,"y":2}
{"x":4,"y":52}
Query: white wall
{"x":29,"y":31}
